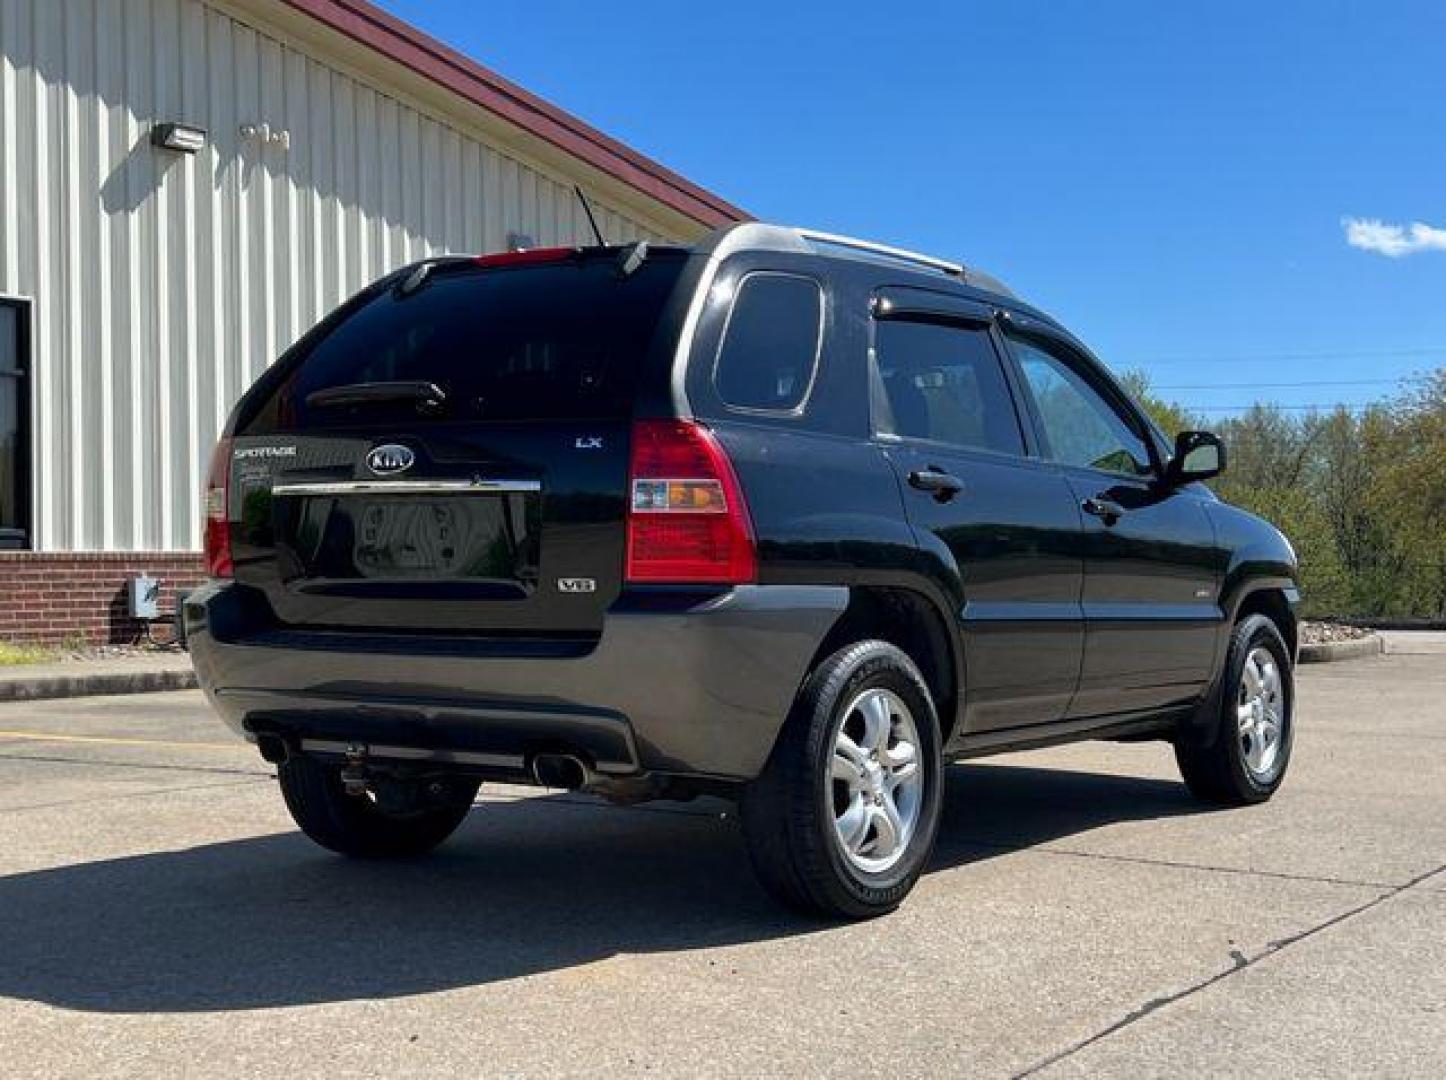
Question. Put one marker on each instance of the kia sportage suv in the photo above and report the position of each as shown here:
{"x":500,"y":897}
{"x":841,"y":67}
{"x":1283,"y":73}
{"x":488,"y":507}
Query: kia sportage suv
{"x":786,"y":517}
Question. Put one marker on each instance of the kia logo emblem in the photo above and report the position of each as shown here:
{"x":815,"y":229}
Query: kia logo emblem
{"x":390,"y":459}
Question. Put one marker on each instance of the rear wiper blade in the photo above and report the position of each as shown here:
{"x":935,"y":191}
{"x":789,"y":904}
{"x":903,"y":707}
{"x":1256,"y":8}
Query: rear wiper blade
{"x":427,"y":396}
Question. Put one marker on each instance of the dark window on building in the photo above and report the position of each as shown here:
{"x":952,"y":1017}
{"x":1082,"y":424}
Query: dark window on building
{"x":14,"y":424}
{"x":769,"y":353}
{"x":945,"y":384}
{"x":1081,"y":427}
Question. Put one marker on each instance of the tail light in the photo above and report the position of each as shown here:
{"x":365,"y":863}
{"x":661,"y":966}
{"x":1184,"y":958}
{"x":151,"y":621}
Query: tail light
{"x":687,"y":522}
{"x":218,"y":516}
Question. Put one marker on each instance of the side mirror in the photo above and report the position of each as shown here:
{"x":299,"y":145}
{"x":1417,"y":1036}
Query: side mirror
{"x":1199,"y":455}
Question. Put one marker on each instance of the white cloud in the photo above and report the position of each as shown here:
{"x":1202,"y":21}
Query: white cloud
{"x":1393,"y":241}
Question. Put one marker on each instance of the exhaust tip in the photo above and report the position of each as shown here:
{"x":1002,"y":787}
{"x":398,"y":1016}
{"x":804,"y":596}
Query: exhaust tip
{"x":565,"y":771}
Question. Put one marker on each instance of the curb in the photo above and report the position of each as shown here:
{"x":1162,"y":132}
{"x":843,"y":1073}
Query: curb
{"x":95,"y":684}
{"x":1326,"y":652}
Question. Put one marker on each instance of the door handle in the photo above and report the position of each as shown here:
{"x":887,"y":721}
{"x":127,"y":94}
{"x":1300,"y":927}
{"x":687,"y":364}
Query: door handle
{"x":943,"y":486}
{"x":1107,"y":510}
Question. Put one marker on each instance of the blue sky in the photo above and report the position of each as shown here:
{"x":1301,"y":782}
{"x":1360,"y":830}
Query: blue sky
{"x":1170,"y":180}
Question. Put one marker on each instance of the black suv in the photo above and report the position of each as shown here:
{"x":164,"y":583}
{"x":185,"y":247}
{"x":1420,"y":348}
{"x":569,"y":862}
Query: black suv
{"x":786,"y":517}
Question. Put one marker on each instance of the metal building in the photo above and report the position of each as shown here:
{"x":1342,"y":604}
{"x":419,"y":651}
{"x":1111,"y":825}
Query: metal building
{"x":187,"y":185}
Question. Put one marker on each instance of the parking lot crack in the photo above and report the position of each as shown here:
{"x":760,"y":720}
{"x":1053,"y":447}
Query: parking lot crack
{"x":1240,"y":962}
{"x":1174,"y":864}
{"x":133,"y":795}
{"x":51,"y":759}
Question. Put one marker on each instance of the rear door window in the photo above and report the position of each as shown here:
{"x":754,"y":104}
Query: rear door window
{"x":554,"y":341}
{"x":943,"y":383}
{"x":769,"y":354}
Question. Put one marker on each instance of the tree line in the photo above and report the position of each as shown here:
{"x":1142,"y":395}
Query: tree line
{"x":1360,"y":493}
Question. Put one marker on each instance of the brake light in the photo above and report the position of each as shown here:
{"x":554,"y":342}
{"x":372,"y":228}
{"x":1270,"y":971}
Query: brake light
{"x":218,"y":515}
{"x":687,"y":522}
{"x":522,"y":258}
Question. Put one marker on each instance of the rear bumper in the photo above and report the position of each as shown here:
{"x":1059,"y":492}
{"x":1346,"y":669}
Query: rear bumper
{"x":685,"y":687}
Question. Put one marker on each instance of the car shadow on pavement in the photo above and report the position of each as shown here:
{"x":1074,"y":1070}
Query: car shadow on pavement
{"x":527,"y":886}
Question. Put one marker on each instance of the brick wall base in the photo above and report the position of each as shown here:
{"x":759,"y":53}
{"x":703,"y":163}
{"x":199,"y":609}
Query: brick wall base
{"x":56,"y":599}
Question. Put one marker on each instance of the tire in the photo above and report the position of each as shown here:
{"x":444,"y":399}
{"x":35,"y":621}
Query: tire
{"x":1222,"y":764}
{"x":791,"y":812}
{"x":355,"y":825}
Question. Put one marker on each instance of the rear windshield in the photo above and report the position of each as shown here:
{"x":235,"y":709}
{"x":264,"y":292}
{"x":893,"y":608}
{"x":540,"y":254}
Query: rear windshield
{"x":555,"y":341}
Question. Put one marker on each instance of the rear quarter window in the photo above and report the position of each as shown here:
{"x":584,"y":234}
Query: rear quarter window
{"x":768,"y":358}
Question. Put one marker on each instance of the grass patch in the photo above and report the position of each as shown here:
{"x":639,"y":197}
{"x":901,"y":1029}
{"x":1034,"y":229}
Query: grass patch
{"x":14,"y":655}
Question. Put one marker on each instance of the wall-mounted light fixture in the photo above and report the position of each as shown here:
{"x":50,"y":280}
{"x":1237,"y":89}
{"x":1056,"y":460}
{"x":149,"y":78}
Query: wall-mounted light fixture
{"x":520,"y":241}
{"x":183,"y":138}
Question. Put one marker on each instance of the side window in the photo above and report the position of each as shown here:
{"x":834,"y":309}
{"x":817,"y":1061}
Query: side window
{"x":943,"y":383}
{"x":1080,"y":426}
{"x":770,"y":349}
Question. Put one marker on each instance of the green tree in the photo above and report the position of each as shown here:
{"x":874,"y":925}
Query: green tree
{"x":1362,"y":496}
{"x":1411,"y":494}
{"x":1267,"y":448}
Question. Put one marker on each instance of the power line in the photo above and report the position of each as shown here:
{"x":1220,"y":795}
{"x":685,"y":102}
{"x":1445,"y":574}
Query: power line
{"x":1317,"y":407}
{"x":1282,"y":385}
{"x":1251,"y":358}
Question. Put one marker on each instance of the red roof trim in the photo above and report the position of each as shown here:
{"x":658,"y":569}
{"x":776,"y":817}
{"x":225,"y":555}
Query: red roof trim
{"x":405,"y":44}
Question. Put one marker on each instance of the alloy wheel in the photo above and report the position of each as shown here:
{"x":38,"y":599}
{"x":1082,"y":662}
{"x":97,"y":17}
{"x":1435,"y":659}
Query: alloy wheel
{"x":1260,"y":714}
{"x":877,"y":780}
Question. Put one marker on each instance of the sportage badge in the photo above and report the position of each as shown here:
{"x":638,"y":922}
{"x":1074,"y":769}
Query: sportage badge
{"x":390,"y":459}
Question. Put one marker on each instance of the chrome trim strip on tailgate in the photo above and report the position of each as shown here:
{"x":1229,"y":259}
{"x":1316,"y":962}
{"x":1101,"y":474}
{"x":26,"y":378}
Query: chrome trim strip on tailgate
{"x":411,"y":487}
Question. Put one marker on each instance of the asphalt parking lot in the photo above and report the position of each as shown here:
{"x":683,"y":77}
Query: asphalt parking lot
{"x":160,"y":915}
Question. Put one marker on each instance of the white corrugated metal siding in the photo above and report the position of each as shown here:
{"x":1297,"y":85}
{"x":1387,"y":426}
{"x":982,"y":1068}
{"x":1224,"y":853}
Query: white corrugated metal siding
{"x":164,"y":283}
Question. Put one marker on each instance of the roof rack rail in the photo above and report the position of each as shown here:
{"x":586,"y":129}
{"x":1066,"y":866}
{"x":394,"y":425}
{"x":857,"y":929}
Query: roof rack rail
{"x":833,"y":239}
{"x":758,"y":236}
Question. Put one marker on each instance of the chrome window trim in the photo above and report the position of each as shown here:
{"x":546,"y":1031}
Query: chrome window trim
{"x":716,"y":248}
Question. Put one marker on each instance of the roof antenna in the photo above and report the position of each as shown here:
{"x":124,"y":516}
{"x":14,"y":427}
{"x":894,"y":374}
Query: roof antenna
{"x":587,"y":207}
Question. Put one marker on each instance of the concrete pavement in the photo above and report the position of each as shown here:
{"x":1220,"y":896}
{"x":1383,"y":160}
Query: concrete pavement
{"x":160,"y":915}
{"x":1415,"y":642}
